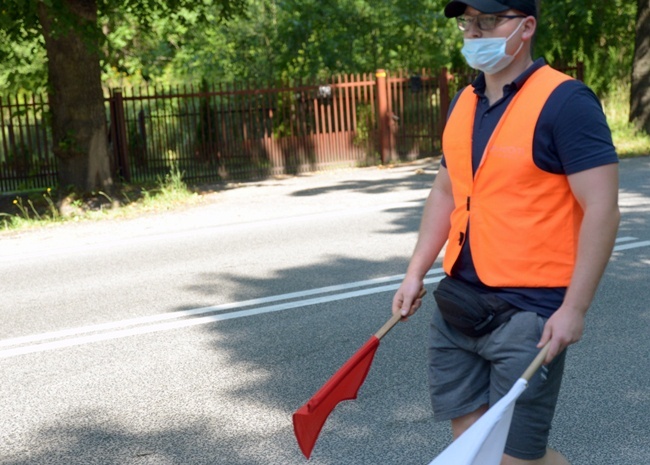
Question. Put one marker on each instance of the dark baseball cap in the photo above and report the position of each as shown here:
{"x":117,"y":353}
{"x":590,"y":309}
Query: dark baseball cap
{"x":457,"y":7}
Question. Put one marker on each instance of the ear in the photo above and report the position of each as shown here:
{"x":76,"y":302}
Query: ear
{"x":529,"y":27}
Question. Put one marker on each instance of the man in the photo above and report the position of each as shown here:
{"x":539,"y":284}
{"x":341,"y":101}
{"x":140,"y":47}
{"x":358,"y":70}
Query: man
{"x":526,"y":199}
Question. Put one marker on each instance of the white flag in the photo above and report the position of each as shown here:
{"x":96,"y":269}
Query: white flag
{"x":484,"y":441}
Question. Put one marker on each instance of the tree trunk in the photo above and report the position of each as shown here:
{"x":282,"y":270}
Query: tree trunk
{"x":640,"y":92}
{"x":79,"y":133}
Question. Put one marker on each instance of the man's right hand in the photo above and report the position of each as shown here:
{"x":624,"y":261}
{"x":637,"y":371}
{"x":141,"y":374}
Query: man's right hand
{"x":408,"y":298}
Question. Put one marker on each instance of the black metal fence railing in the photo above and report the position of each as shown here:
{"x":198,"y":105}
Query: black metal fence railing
{"x":218,"y":132}
{"x":26,"y":158}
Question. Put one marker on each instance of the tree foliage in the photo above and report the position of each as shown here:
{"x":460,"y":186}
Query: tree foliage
{"x":600,"y":34}
{"x":299,"y":39}
{"x":180,"y":41}
{"x":123,"y":28}
{"x":281,"y":39}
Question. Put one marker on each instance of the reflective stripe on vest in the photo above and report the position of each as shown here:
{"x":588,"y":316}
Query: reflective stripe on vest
{"x":524,"y":221}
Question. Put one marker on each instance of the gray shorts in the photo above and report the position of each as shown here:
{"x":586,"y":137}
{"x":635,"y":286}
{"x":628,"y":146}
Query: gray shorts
{"x":466,"y":373}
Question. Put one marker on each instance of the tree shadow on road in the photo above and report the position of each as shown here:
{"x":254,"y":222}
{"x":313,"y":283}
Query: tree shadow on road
{"x":301,"y":354}
{"x":420,"y":179}
{"x":301,"y":348}
{"x":91,"y":438}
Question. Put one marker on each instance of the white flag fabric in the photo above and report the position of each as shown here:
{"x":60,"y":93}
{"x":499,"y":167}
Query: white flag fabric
{"x":483,"y":442}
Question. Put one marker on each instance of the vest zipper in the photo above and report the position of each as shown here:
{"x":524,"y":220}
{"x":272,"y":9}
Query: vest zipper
{"x":468,"y":201}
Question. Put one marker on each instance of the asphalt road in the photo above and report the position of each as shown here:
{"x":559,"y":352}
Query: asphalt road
{"x":191,"y":337}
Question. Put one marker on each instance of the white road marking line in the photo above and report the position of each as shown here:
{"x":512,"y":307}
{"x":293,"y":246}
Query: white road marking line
{"x":151,"y":324}
{"x":633,"y":245}
{"x":23,"y":350}
{"x":146,"y":325}
{"x":625,"y":239}
{"x":197,"y":311}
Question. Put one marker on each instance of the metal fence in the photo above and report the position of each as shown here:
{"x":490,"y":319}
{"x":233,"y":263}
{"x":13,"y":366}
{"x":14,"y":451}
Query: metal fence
{"x":213,"y":133}
{"x":26,"y":159}
{"x":235,"y":133}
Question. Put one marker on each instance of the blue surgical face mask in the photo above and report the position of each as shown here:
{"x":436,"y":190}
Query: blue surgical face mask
{"x":489,"y":54}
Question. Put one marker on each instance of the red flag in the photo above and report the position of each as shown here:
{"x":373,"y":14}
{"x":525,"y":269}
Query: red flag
{"x":309,"y":419}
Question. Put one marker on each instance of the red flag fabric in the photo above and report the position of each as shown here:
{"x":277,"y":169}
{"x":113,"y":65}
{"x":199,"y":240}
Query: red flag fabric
{"x":309,"y":419}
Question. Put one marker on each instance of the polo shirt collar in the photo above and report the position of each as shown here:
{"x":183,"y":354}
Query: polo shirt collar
{"x":479,"y":82}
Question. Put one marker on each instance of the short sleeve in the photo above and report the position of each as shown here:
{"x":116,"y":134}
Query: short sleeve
{"x":572,"y":133}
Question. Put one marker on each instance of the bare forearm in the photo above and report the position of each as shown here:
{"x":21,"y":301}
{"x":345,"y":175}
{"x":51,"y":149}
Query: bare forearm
{"x":596,"y":242}
{"x":597,"y":232}
{"x":434,"y":229}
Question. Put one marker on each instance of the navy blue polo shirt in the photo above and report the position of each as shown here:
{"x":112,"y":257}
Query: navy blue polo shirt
{"x":571,"y":135}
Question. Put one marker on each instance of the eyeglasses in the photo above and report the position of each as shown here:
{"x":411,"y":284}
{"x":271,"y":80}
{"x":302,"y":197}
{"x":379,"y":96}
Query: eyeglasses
{"x":484,"y":22}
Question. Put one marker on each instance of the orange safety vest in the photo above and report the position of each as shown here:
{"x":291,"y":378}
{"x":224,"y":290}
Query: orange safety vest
{"x":524,"y":220}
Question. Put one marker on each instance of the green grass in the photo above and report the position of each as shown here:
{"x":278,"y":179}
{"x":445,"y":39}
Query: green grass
{"x":628,"y":139}
{"x":40,"y":209}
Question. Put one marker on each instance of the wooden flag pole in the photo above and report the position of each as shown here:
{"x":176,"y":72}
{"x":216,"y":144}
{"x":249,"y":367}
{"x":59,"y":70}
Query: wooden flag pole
{"x":387,"y":326}
{"x":536,"y":363}
{"x":394,"y":320}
